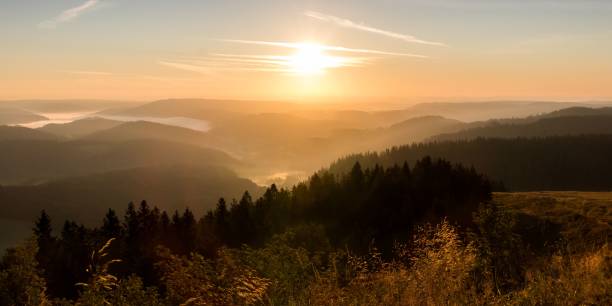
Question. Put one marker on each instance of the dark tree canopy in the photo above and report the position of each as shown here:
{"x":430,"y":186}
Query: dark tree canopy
{"x":521,"y":164}
{"x":367,"y":206}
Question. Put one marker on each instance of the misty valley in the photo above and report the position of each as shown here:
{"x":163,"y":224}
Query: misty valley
{"x":205,"y":175}
{"x":271,"y":153}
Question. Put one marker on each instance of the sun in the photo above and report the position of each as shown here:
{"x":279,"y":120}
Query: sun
{"x":310,"y":59}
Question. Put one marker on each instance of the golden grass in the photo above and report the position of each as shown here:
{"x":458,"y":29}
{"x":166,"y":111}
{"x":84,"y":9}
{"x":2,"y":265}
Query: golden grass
{"x":584,"y":217}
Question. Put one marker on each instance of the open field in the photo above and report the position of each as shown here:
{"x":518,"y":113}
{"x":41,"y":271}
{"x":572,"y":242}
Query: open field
{"x":582,"y":217}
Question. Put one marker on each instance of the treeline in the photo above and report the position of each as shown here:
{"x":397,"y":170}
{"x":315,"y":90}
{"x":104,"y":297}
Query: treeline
{"x":521,"y":164}
{"x":361,"y":210}
{"x":563,"y":125}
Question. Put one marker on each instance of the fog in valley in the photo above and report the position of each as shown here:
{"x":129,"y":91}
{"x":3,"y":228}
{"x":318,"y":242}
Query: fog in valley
{"x":345,"y":153}
{"x":247,"y":145}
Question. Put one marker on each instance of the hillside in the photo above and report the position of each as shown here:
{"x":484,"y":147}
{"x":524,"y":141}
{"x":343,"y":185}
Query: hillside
{"x":553,"y":126}
{"x":417,"y":129}
{"x":345,"y":141}
{"x":36,"y":161}
{"x":579,"y":111}
{"x":523,"y":164}
{"x":9,"y":116}
{"x":480,"y":111}
{"x":304,"y":145}
{"x":274,"y":127}
{"x":219,"y":110}
{"x":79,"y":128}
{"x":8,"y":133}
{"x":583,"y":219}
{"x":84,"y":198}
{"x":392,"y":229}
{"x":567,"y":111}
{"x":204,"y":109}
{"x":146,"y":130}
{"x":67,"y":105}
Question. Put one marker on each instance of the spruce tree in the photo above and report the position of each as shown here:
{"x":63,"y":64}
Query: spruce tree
{"x":43,"y":229}
{"x":111,"y":226}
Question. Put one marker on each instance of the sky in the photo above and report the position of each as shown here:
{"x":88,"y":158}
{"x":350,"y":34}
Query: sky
{"x":268,"y":49}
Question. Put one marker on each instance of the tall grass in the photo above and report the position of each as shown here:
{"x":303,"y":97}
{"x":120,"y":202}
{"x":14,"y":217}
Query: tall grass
{"x":438,"y":267}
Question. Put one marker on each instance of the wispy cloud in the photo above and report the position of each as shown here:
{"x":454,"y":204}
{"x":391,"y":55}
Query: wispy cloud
{"x":292,"y":45}
{"x":69,"y":14}
{"x":113,"y":75}
{"x":346,"y":23}
{"x":83,"y":72}
{"x":252,"y":63}
{"x":305,"y":58}
{"x":186,"y":65}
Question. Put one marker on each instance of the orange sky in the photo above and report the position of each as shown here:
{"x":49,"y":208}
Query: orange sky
{"x":114,"y":50}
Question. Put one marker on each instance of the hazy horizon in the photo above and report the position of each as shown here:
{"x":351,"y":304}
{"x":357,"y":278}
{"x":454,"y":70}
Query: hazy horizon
{"x":291,"y":50}
{"x":290,"y":152}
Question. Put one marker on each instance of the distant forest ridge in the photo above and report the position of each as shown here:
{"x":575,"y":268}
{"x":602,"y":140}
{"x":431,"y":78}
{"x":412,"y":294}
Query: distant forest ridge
{"x":579,"y":162}
{"x":363,"y":209}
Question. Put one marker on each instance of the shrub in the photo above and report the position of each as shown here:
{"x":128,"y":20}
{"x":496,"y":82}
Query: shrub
{"x":570,"y":279}
{"x":21,"y":282}
{"x":437,"y":271}
{"x":195,"y":280}
{"x":501,"y":253}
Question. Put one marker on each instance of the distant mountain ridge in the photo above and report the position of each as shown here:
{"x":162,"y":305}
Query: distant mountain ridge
{"x":9,"y":116}
{"x":579,"y":111}
{"x":556,"y":125}
{"x":272,"y":138}
{"x":579,"y":162}
{"x":220,"y":110}
{"x":82,"y":198}
{"x":32,"y":161}
{"x":21,"y":133}
{"x":66,"y":105}
{"x":481,"y":111}
{"x":80,"y":128}
{"x":124,"y":131}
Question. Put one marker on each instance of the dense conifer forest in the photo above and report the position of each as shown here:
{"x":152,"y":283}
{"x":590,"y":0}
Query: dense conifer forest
{"x":272,"y":153}
{"x":519,"y":164}
{"x":396,"y":235}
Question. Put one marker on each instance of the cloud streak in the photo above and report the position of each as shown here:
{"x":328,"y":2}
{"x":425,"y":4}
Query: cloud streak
{"x":253,"y":63}
{"x":84,"y":72}
{"x":69,"y":14}
{"x":292,"y":45}
{"x":186,"y":65}
{"x":346,"y":23}
{"x":304,"y":58}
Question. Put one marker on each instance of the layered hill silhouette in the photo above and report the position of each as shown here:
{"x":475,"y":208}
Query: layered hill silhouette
{"x":548,"y":126}
{"x":580,"y":162}
{"x":83,"y":198}
{"x":411,"y":130}
{"x":280,"y":137}
{"x":209,"y":109}
{"x":80,"y":128}
{"x":8,"y":133}
{"x":296,"y":139}
{"x":96,"y":162}
{"x":481,"y":111}
{"x":67,"y":105}
{"x":579,"y":111}
{"x":204,"y":109}
{"x":32,"y":161}
{"x":146,"y":130}
{"x":10,"y":115}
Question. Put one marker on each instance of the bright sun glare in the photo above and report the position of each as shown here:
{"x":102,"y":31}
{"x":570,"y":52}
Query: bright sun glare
{"x":310,"y":59}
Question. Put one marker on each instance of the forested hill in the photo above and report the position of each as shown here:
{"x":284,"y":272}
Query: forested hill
{"x":522,"y":164}
{"x":84,"y":198}
{"x":365,"y":208}
{"x":556,"y":125}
